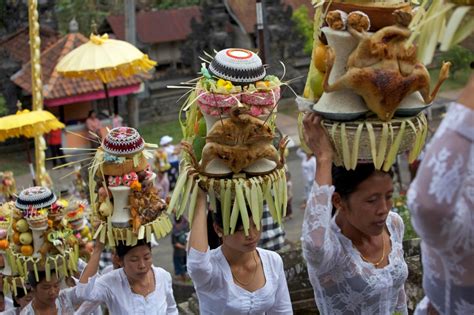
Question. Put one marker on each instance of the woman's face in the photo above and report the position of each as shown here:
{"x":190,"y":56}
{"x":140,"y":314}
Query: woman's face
{"x":239,"y":241}
{"x":368,"y":206}
{"x":137,"y":262}
{"x":47,"y":292}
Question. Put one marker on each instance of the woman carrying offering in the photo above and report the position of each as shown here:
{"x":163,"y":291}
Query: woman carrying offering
{"x":136,"y":288}
{"x":355,"y":258}
{"x":441,"y":201}
{"x":237,"y":277}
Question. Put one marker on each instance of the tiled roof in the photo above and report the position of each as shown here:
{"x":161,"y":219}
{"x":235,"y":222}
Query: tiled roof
{"x":17,"y":44}
{"x":160,"y":26}
{"x":246,"y":11}
{"x":56,"y":86}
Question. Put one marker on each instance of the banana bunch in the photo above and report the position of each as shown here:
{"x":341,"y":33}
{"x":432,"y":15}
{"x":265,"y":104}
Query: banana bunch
{"x":237,"y":196}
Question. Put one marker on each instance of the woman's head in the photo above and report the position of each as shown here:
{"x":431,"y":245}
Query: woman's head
{"x":92,"y":114}
{"x":22,"y":298}
{"x":237,"y":241}
{"x":44,"y":291}
{"x":363,"y":197}
{"x":135,"y":260}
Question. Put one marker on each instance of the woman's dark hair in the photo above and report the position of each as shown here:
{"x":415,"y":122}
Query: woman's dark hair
{"x":20,"y":294}
{"x":41,"y":276}
{"x":217,"y":216}
{"x":90,"y":113}
{"x":346,"y":182}
{"x":121,"y":249}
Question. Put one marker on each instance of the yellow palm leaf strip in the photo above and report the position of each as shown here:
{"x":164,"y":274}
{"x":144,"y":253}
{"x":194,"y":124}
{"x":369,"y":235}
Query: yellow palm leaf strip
{"x":239,"y":195}
{"x":226,"y":205}
{"x":382,"y":146}
{"x":373,"y":147}
{"x":260,"y":196}
{"x":185,"y":198}
{"x":355,"y":146}
{"x":192,"y":201}
{"x":284,"y":190}
{"x":254,"y":210}
{"x":346,"y":156}
{"x":392,"y":153}
{"x":276,"y":197}
{"x":254,"y":204}
{"x":268,"y":197}
{"x":412,"y":155}
{"x":183,"y":177}
{"x":234,"y":216}
{"x":212,"y":194}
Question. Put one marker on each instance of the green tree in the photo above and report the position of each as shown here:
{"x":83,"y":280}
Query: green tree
{"x":460,"y":58}
{"x":304,"y":27}
{"x":3,"y":107}
{"x":85,"y":12}
{"x":170,"y":4}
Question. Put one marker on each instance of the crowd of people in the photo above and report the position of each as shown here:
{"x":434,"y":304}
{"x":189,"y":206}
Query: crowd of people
{"x":351,"y":241}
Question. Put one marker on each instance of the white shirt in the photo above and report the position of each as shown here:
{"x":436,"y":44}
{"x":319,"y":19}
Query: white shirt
{"x":343,"y":283}
{"x":172,"y":156}
{"x":441,"y":200}
{"x":64,"y":303}
{"x":308,"y":166}
{"x":218,"y":294}
{"x":114,"y":289}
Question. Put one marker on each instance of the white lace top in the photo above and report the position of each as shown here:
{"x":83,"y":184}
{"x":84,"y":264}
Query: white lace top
{"x":442,"y":203}
{"x":343,"y":283}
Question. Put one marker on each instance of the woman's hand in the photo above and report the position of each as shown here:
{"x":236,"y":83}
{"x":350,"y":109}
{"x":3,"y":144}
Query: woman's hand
{"x":317,"y":138}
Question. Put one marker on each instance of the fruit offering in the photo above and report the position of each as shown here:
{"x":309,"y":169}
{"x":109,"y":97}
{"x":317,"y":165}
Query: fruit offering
{"x":230,"y":144}
{"x":123,"y":196}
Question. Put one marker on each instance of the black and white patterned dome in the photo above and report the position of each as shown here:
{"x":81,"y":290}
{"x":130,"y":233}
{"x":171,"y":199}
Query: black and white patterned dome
{"x":38,"y":197}
{"x":238,"y":66}
{"x":123,"y":141}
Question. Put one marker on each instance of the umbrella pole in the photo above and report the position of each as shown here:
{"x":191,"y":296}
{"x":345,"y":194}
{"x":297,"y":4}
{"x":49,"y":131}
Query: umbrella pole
{"x":107,"y":100}
{"x":30,"y":162}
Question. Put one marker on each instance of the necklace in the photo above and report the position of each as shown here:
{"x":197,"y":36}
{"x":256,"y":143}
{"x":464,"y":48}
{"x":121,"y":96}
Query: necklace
{"x":381,"y":259}
{"x":253,"y":276}
{"x":148,"y":287}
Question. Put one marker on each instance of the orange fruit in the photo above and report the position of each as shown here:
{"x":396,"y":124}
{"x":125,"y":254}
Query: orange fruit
{"x":319,"y":57}
{"x":26,"y":250}
{"x":50,"y":223}
{"x":16,"y":238}
{"x":3,"y":244}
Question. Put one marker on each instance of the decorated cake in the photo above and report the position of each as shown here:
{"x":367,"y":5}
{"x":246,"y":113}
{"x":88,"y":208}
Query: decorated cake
{"x":123,"y":196}
{"x":368,"y":84}
{"x":229,"y":140}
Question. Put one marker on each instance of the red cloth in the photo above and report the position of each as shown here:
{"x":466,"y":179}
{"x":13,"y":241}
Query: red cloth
{"x":54,"y":137}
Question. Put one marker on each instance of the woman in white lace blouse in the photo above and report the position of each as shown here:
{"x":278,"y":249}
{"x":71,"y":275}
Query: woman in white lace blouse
{"x":237,"y":277}
{"x":355,"y":258}
{"x":442,"y":203}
